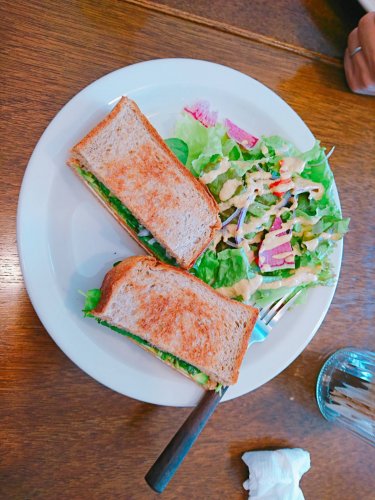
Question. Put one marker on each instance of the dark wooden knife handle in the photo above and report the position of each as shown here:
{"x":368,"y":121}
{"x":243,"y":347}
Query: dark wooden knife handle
{"x":170,"y":459}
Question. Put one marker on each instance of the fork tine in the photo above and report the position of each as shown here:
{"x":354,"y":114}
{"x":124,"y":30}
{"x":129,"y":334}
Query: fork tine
{"x":274,"y":307}
{"x":280,"y":313}
{"x":264,"y":310}
{"x":270,"y":315}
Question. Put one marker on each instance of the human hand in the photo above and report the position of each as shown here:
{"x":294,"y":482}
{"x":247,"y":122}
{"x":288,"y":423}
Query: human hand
{"x":359,"y":60}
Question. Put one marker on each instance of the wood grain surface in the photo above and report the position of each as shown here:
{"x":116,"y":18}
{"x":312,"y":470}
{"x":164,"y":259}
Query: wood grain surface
{"x":315,"y":28}
{"x":62,"y":435}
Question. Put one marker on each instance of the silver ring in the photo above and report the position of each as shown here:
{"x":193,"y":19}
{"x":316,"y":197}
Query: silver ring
{"x":355,"y":51}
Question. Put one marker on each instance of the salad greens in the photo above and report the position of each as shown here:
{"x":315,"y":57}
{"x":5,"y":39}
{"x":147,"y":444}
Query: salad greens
{"x":179,"y":148}
{"x":222,"y":269}
{"x":292,"y":186}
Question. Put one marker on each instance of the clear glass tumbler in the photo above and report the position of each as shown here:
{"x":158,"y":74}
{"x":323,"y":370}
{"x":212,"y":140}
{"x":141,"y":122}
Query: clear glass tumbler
{"x":345,"y":391}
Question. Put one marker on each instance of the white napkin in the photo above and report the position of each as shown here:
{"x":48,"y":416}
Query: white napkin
{"x":275,"y":475}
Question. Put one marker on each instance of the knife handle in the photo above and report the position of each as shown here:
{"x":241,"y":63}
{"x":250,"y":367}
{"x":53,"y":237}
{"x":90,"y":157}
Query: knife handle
{"x":171,"y":458}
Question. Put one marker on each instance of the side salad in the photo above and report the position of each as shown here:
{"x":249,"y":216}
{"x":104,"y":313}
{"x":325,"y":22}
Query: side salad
{"x":279,"y":218}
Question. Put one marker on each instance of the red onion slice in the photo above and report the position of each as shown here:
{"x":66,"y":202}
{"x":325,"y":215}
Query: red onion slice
{"x":241,"y":219}
{"x":231,"y":217}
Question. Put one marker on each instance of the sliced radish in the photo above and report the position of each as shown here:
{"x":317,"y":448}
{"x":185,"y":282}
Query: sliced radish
{"x":271,"y":257}
{"x":201,"y":112}
{"x":239,"y":135}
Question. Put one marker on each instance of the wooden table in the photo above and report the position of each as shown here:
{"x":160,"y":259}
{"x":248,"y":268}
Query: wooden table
{"x":62,"y":434}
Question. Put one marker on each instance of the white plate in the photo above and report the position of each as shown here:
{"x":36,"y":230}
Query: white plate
{"x":67,"y":240}
{"x":368,"y":5}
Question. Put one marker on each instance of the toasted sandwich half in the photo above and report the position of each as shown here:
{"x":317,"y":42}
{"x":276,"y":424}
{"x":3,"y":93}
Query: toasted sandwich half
{"x":176,"y":317}
{"x":126,"y":163}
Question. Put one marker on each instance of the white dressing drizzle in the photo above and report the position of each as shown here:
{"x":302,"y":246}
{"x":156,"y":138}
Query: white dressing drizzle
{"x":302,"y":275}
{"x":244,"y":288}
{"x":246,"y":246}
{"x":209,"y":177}
{"x":229,"y":188}
{"x":311,"y":245}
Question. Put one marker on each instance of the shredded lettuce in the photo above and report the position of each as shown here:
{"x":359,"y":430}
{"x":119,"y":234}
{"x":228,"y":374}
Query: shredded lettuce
{"x":92,"y":298}
{"x":319,"y":220}
{"x":221,"y":269}
{"x":206,"y":145}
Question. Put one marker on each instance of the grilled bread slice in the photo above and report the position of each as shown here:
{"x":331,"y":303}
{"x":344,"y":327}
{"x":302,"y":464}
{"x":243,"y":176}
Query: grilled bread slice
{"x":179,"y":316}
{"x":130,"y":159}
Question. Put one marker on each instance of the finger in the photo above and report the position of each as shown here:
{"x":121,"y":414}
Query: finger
{"x":353,"y":40}
{"x":366,"y":39}
{"x":361,"y":71}
{"x":357,"y":77}
{"x":349,"y":72}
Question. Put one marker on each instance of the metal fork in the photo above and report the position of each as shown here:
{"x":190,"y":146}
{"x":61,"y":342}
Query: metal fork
{"x":171,"y":458}
{"x":270,"y":315}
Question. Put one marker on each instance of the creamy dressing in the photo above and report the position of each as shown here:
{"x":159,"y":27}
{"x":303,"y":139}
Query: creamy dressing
{"x":246,"y":246}
{"x":291,"y":165}
{"x":311,"y":245}
{"x":257,"y":184}
{"x":229,"y":188}
{"x":284,"y":187}
{"x":229,"y":231}
{"x":284,"y":255}
{"x":302,"y":275}
{"x":217,"y":238}
{"x":244,"y":288}
{"x":315,"y":189}
{"x":290,"y":169}
{"x":256,"y":224}
{"x":260,"y":175}
{"x":209,"y":177}
{"x":308,"y":221}
{"x":330,"y":236}
{"x":257,"y":239}
{"x":297,"y":250}
{"x":238,"y":201}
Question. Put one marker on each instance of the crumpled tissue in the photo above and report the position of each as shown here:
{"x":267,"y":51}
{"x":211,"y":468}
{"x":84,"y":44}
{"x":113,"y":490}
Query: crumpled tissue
{"x":275,"y":475}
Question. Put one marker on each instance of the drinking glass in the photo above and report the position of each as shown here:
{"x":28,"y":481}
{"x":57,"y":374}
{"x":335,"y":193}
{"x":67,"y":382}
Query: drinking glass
{"x":345,"y":391}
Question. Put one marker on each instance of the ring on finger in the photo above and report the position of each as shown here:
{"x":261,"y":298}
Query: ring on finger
{"x":355,"y":51}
